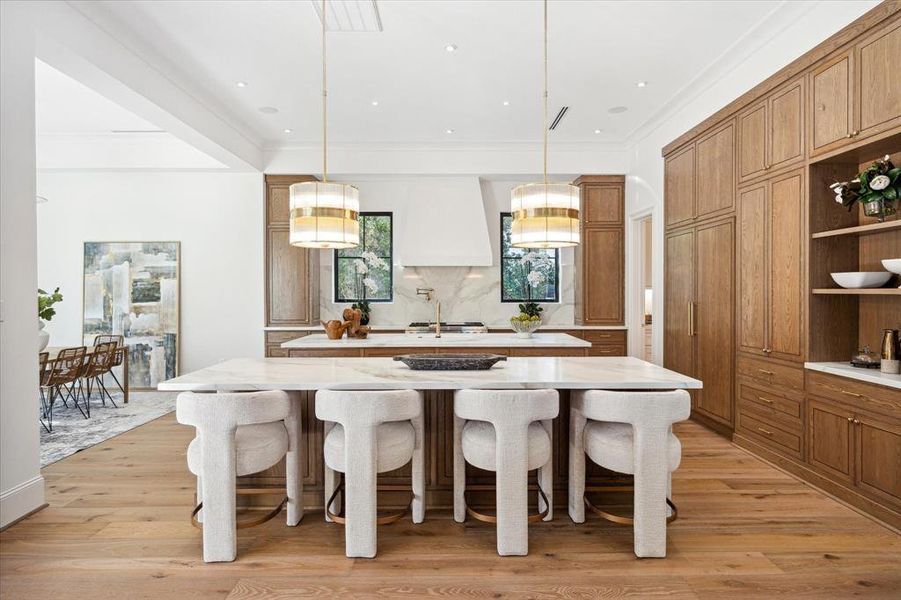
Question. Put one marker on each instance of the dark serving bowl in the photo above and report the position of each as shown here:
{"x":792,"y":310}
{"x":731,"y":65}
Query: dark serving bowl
{"x":449,"y":362}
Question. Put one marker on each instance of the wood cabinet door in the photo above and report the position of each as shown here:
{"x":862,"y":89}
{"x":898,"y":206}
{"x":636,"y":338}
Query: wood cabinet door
{"x":603,"y":273}
{"x":714,"y":317}
{"x":678,"y":340}
{"x":831,"y":111}
{"x":288,"y":300}
{"x":785,"y":128}
{"x":752,"y":128}
{"x":786,"y":259}
{"x":679,"y":186}
{"x":878,"y":92}
{"x":602,"y":204}
{"x":752,"y":268}
{"x":878,"y":457}
{"x":829,"y":437}
{"x":715,"y":179}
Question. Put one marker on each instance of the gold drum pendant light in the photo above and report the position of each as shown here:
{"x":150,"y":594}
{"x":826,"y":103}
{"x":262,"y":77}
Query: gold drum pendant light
{"x":324,"y":214}
{"x":545,"y":215}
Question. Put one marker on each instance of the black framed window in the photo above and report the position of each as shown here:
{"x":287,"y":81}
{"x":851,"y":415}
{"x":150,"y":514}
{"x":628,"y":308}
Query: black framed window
{"x":527,"y":274}
{"x":365,"y":272}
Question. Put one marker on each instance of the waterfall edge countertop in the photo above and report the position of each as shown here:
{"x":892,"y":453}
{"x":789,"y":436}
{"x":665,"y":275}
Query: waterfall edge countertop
{"x":303,"y":374}
{"x":321,"y":341}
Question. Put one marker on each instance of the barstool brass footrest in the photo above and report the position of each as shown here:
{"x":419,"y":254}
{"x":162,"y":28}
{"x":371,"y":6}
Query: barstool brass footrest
{"x":254,"y":491}
{"x":385,"y":520}
{"x":620,"y":520}
{"x":493,"y":519}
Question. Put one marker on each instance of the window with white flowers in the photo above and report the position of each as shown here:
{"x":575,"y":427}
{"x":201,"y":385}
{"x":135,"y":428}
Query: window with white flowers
{"x":527,"y":274}
{"x":364,"y":274}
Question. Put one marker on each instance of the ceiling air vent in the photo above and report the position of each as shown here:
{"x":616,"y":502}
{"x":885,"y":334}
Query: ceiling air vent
{"x":349,"y":15}
{"x":558,"y":118}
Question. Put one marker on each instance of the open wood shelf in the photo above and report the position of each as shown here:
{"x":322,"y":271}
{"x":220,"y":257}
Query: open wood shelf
{"x":859,"y":292}
{"x":860,"y":229}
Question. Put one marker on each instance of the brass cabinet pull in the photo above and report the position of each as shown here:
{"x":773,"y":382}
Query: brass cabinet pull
{"x":849,"y":135}
{"x":855,"y":132}
{"x":762,"y":430}
{"x":691,"y":318}
{"x":762,"y":399}
{"x":764,"y":371}
{"x":850,"y":419}
{"x":851,"y":394}
{"x":856,"y":422}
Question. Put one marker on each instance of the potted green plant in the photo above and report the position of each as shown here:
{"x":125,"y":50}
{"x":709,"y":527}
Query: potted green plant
{"x":528,"y":320}
{"x":45,"y":313}
{"x":877,"y":188}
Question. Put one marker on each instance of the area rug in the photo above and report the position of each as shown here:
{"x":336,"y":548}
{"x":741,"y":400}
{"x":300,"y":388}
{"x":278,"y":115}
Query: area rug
{"x":72,"y":432}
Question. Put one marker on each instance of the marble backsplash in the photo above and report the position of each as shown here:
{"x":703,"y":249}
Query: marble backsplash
{"x":465,"y":293}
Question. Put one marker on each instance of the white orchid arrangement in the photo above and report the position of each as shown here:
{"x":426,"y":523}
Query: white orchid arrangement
{"x":538,"y":264}
{"x":364,"y":283}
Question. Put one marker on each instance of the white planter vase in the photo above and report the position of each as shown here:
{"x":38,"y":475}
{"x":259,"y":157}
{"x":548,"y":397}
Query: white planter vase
{"x":43,"y":336}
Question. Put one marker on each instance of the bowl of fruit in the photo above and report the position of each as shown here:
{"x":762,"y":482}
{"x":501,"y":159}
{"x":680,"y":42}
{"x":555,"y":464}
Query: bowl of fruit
{"x":524,"y":324}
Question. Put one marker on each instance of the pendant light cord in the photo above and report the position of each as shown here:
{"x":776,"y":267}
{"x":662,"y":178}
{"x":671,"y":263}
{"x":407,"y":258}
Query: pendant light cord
{"x":324,"y":96}
{"x":545,"y":91}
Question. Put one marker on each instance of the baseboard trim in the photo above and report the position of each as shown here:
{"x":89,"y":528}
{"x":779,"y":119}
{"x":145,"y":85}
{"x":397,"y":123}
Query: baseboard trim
{"x":21,"y":501}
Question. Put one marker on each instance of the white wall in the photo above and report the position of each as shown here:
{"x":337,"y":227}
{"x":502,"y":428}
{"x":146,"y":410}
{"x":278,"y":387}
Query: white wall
{"x":217,"y":217}
{"x":21,"y":484}
{"x":644,"y":185}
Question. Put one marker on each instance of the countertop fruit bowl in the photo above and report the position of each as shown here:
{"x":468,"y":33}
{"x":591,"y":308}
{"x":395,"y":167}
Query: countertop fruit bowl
{"x":861,"y":279}
{"x":524,"y":325}
{"x":450,"y":361}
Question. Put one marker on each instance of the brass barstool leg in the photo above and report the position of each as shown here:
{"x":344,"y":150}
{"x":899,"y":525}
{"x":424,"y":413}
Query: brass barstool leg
{"x":385,"y":520}
{"x":493,"y":519}
{"x":620,"y":520}
{"x":250,"y":491}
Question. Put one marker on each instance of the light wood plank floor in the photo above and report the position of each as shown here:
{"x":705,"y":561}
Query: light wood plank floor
{"x":117,"y":526}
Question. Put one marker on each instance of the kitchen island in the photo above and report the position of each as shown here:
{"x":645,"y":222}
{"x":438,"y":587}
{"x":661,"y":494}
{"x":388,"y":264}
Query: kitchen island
{"x":302,"y":376}
{"x":428,"y":342}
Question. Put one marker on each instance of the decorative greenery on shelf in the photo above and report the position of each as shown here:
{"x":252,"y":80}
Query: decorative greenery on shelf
{"x":46,"y":302}
{"x":877,"y":188}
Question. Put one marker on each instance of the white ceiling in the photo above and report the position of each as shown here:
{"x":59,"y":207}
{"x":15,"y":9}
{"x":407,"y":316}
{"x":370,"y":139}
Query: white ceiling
{"x":598,"y":52}
{"x":77,"y":127}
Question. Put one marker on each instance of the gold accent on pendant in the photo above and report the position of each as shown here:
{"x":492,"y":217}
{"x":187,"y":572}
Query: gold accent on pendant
{"x":543,"y":212}
{"x":327,"y":212}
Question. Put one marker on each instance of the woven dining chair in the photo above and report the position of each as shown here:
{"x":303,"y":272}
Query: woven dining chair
{"x":121,"y":349}
{"x":97,"y":365}
{"x":63,"y":379}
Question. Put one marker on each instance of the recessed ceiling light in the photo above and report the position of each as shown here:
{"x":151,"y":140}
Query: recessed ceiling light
{"x":375,"y":102}
{"x":268,"y":110}
{"x":448,"y":131}
{"x":617,"y":109}
{"x":286,"y":130}
{"x":451,"y":47}
{"x":642,"y":84}
{"x":506,"y":103}
{"x":241,"y":83}
{"x":597,"y":130}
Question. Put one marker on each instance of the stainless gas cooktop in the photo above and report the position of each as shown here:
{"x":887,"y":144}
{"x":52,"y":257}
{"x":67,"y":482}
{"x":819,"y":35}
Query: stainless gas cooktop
{"x":448,"y":327}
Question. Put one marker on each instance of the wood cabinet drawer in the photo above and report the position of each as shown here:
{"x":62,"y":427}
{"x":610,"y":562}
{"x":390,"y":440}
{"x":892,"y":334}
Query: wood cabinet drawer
{"x":474,"y":350}
{"x":781,"y":406}
{"x":397,"y":351}
{"x":324,"y":353}
{"x":606,"y":350}
{"x":276,"y":352}
{"x":603,"y":337}
{"x":771,"y":373}
{"x":280,"y":337}
{"x":769,"y":434}
{"x":854,"y":393}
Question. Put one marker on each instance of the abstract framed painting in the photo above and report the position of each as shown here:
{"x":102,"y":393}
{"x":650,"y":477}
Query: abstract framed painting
{"x":132,"y":289}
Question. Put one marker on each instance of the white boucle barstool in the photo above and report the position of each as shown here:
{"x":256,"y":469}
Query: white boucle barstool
{"x":367,"y":433}
{"x":508,"y":432}
{"x":632,"y":433}
{"x":239,"y":434}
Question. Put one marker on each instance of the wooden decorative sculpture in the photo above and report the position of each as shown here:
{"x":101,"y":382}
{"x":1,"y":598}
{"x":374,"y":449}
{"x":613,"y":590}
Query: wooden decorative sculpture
{"x":336,"y":329}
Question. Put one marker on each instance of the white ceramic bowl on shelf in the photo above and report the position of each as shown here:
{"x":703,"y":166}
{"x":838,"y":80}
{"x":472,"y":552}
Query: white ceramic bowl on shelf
{"x":893,"y":265}
{"x":861,"y":279}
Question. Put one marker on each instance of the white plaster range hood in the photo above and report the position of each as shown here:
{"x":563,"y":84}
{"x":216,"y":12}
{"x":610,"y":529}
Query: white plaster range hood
{"x":438,"y":221}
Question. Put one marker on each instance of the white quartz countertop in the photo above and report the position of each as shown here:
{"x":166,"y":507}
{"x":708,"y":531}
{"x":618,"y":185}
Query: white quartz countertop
{"x":447,"y":340}
{"x":380,"y":327}
{"x":841,"y":369}
{"x":593,"y":372}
